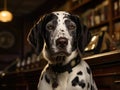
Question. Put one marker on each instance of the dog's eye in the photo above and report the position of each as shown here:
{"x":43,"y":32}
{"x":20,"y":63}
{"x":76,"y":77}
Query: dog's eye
{"x":70,"y":24}
{"x":50,"y":27}
{"x":71,"y":27}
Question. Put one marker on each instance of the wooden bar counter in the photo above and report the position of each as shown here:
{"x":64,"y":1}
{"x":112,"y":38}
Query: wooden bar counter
{"x":106,"y":69}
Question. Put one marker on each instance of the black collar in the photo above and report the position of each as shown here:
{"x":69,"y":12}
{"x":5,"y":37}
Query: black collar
{"x":59,"y":68}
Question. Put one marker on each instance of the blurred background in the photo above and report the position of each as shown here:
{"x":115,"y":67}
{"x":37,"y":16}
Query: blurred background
{"x":20,"y":66}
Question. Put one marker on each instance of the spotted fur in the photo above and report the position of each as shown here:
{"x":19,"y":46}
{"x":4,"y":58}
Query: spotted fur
{"x":62,"y":37}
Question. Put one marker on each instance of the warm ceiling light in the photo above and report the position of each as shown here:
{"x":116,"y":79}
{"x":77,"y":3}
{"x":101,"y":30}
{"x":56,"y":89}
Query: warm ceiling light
{"x":5,"y":15}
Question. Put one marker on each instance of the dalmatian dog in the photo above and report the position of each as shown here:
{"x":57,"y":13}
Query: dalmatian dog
{"x":62,"y":38}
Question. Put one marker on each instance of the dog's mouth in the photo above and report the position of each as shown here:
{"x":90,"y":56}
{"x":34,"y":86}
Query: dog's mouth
{"x":59,"y":57}
{"x":61,"y":53}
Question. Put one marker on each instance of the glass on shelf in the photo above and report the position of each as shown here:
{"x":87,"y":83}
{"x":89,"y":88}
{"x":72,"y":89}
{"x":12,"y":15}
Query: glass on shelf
{"x":117,"y":34}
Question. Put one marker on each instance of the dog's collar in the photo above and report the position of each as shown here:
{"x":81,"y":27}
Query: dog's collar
{"x":58,"y":68}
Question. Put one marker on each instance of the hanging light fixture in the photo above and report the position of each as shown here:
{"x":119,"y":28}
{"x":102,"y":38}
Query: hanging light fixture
{"x":5,"y":15}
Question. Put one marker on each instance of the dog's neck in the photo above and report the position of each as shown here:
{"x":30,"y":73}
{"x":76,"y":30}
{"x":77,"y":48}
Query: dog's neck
{"x":60,"y":68}
{"x":73,"y":55}
{"x":68,"y":62}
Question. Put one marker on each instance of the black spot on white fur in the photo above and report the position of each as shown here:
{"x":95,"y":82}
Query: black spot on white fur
{"x":88,"y":70}
{"x":82,"y":83}
{"x":80,"y":73}
{"x":57,"y":13}
{"x":76,"y":81}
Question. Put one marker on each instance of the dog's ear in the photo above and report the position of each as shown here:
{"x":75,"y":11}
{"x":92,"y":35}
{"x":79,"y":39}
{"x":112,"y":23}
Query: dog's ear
{"x":37,"y":33}
{"x":83,"y":38}
{"x":35,"y":37}
{"x":83,"y":34}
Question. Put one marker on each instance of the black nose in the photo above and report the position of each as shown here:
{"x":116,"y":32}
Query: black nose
{"x":61,"y":42}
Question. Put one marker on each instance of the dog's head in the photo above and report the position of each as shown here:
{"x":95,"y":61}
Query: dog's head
{"x":62,"y":33}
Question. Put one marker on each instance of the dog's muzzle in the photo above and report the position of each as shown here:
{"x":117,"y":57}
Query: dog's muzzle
{"x":62,"y":43}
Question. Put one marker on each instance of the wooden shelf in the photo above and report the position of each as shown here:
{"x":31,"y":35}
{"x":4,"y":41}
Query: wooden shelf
{"x":80,"y":5}
{"x":108,"y":57}
{"x":106,"y":69}
{"x":24,"y":71}
{"x":99,"y":25}
{"x":117,"y":18}
{"x":103,"y":58}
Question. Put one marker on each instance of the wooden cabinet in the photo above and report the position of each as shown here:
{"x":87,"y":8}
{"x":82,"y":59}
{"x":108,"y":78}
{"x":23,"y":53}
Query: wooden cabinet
{"x":106,"y":70}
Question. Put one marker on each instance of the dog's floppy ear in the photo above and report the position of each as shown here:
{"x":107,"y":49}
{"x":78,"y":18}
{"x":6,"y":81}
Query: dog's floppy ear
{"x":83,"y":38}
{"x":83,"y":34}
{"x":35,"y":37}
{"x":37,"y":33}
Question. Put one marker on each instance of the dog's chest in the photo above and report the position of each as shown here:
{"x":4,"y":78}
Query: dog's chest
{"x":78,"y":79}
{"x":54,"y":81}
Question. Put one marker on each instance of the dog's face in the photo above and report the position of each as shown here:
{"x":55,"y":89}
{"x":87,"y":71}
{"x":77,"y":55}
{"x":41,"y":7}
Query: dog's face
{"x":62,"y":32}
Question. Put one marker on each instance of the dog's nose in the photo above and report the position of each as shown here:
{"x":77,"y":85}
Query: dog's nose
{"x":61,"y":42}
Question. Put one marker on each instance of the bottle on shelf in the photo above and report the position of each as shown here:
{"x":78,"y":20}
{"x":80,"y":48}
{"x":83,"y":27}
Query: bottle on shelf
{"x":18,"y":65}
{"x":116,"y":8}
{"x":23,"y":63}
{"x":104,"y":11}
{"x":88,"y":18}
{"x":28,"y":62}
{"x":97,"y":15}
{"x":117,"y":33}
{"x":37,"y":62}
